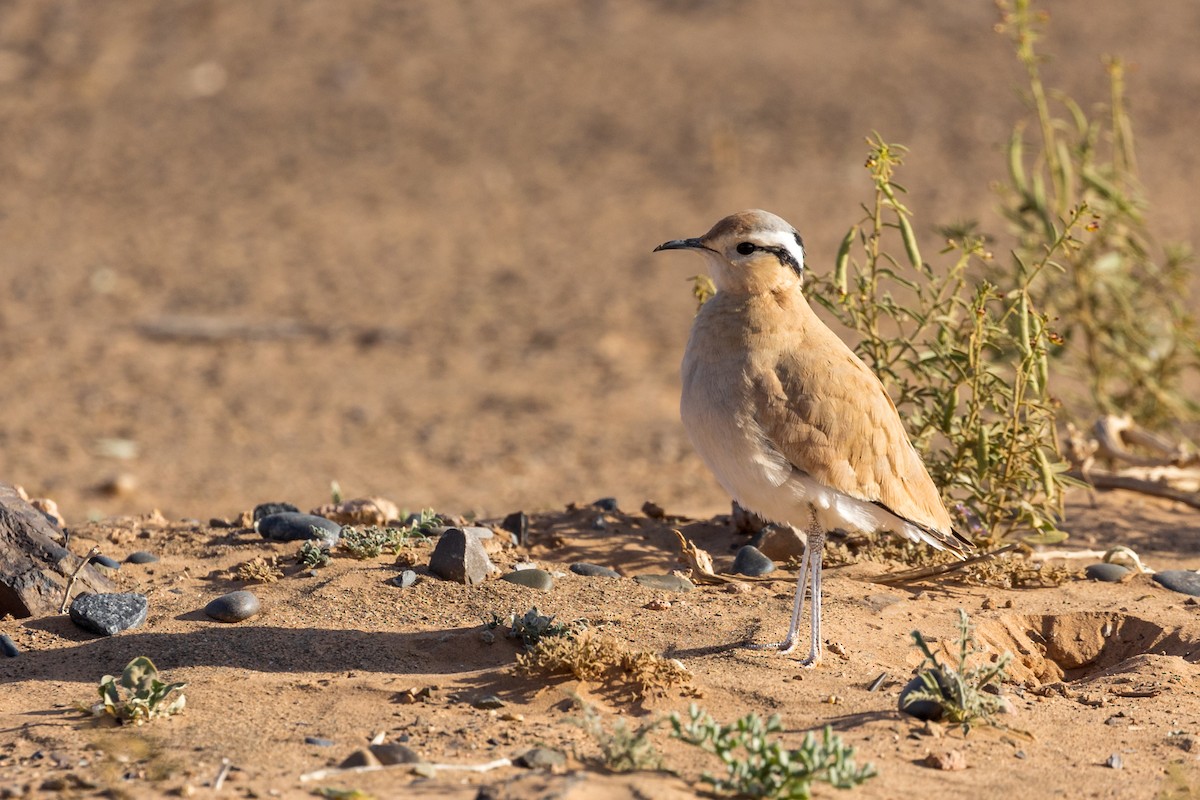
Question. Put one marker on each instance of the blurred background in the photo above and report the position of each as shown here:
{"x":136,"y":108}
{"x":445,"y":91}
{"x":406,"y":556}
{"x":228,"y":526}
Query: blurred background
{"x":250,"y":248}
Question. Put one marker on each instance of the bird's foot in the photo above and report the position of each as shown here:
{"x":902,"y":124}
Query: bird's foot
{"x":813,"y":660}
{"x":783,"y":647}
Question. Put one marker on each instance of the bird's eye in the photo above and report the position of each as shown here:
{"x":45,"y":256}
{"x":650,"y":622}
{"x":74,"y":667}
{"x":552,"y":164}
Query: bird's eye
{"x":746,"y":248}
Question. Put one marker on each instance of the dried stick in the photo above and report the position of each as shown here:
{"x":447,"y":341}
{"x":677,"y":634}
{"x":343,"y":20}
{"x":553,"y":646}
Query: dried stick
{"x":939,"y":569}
{"x":62,"y":609}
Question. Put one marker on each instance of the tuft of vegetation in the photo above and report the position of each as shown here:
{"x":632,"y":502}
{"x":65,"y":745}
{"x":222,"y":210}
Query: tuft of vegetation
{"x":259,"y":569}
{"x":622,"y":749}
{"x":138,"y":696}
{"x":760,"y":767}
{"x":1120,"y":300}
{"x":532,"y":627}
{"x":312,"y":555}
{"x":960,"y":689}
{"x":370,"y":541}
{"x":603,"y":660}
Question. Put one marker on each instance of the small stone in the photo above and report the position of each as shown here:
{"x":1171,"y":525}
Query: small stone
{"x":488,"y":701}
{"x":109,"y":614}
{"x":394,"y":753}
{"x":780,"y":543}
{"x":459,"y":557}
{"x":233,"y":607}
{"x":140,"y":557}
{"x":8,"y":647}
{"x":317,"y":741}
{"x":950,"y":760}
{"x":1184,"y":581}
{"x":292,"y":526}
{"x":593,"y":570}
{"x":670,"y":583}
{"x":1110,"y":573}
{"x":751,"y":561}
{"x":267,"y":509}
{"x":541,"y":758}
{"x":517,"y":523}
{"x":360,"y":758}
{"x":922,"y":709}
{"x":405,"y":579}
{"x":533,"y":578}
{"x":606,"y":504}
{"x":653,"y":510}
{"x":104,"y":561}
{"x":1114,"y":761}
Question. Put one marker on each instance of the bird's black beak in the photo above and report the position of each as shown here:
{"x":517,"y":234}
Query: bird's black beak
{"x":681,"y":244}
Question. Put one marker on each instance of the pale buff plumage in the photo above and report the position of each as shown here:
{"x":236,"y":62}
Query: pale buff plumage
{"x":794,"y":426}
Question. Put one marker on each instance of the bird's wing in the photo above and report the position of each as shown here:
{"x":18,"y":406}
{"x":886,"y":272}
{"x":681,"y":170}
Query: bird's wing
{"x":830,"y":417}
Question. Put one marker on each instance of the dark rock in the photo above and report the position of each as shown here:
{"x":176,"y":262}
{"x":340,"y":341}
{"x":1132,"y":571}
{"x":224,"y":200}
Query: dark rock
{"x":1184,"y":581}
{"x":606,"y":504}
{"x":1111,"y":573}
{"x":517,"y":523}
{"x":593,"y":570}
{"x":750,"y":561}
{"x":533,"y":578}
{"x":488,"y":701}
{"x":140,"y":557}
{"x":392,"y":753}
{"x":653,"y":510}
{"x":541,"y":758}
{"x":104,"y":561}
{"x":109,"y":614}
{"x":360,"y":758}
{"x":292,"y":526}
{"x":405,"y":579}
{"x":267,"y":509}
{"x":33,"y":565}
{"x":8,"y":647}
{"x":318,"y":741}
{"x":922,"y":709}
{"x":460,"y":557}
{"x":670,"y":583}
{"x":233,"y":607}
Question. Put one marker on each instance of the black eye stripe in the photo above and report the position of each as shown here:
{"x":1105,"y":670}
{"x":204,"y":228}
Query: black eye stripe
{"x":786,"y":258}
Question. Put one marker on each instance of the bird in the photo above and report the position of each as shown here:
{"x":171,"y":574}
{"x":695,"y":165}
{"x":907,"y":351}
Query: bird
{"x":793,"y":425}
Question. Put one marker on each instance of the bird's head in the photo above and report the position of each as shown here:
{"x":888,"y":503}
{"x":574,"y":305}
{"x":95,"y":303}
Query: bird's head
{"x":751,"y":252}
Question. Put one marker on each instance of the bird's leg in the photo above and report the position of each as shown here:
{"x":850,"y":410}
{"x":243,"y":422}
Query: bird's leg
{"x":814,"y":549}
{"x":814,"y":534}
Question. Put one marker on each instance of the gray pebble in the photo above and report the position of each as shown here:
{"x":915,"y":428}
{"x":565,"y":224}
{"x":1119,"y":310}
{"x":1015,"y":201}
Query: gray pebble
{"x":267,"y":509}
{"x":921,"y":709}
{"x":593,"y":570}
{"x":109,"y":614}
{"x":233,"y":607}
{"x":1114,"y":761}
{"x":8,"y":647}
{"x":533,"y":578}
{"x":460,"y":557}
{"x":541,"y":758}
{"x":393,"y":753}
{"x":140,"y":557}
{"x":517,"y":523}
{"x":292,"y":526}
{"x":1110,"y":573}
{"x":318,"y":741}
{"x":750,"y":561}
{"x":1184,"y":581}
{"x":488,"y":701}
{"x":405,"y":579}
{"x":606,"y":504}
{"x":671,"y":583}
{"x":105,"y":561}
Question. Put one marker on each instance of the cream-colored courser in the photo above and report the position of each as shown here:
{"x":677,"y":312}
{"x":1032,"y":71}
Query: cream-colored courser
{"x":787,"y":417}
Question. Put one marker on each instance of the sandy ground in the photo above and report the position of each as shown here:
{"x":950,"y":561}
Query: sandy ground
{"x":252,"y":248}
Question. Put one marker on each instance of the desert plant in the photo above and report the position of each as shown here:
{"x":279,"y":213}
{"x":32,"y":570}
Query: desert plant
{"x":965,"y":363}
{"x":263,"y":570}
{"x":312,"y":555}
{"x":1120,"y":301}
{"x":370,"y":541}
{"x":960,"y":689}
{"x":531,"y":627}
{"x":603,"y":660}
{"x":138,"y":695}
{"x":622,"y":749}
{"x":760,"y":767}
